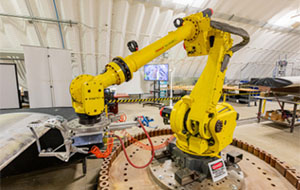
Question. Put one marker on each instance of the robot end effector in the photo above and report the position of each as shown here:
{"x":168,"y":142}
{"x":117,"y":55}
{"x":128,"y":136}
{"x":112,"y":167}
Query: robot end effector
{"x":87,"y":91}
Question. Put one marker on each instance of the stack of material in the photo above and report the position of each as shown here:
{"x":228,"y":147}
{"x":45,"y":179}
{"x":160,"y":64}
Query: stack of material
{"x":282,"y":85}
{"x":277,"y":115}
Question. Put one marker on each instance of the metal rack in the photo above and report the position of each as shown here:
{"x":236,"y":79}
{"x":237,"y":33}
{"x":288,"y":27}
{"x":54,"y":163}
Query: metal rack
{"x":282,"y":101}
{"x":156,"y":94}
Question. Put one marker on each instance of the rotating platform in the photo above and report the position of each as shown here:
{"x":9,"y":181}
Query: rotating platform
{"x":251,"y":173}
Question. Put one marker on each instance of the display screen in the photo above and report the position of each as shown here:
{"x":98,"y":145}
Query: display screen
{"x":156,"y":72}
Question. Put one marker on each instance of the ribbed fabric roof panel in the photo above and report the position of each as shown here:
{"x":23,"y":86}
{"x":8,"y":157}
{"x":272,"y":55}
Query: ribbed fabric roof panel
{"x":98,"y":30}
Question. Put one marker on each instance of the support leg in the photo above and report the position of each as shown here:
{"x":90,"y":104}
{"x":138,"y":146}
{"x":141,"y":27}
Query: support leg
{"x":140,"y":96}
{"x":264,"y":107}
{"x":249,"y":99}
{"x":259,"y":110}
{"x":84,"y":166}
{"x":293,"y":118}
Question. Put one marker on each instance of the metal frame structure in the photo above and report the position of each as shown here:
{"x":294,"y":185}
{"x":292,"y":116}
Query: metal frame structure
{"x":73,"y":132}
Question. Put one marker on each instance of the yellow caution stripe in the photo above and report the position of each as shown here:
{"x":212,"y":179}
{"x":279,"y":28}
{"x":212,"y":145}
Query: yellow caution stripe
{"x":142,"y":100}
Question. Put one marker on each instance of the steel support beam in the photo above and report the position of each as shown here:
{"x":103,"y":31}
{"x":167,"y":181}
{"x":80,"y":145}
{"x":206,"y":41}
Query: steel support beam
{"x":39,"y":19}
{"x":38,"y":34}
{"x":59,"y":26}
{"x":11,"y":59}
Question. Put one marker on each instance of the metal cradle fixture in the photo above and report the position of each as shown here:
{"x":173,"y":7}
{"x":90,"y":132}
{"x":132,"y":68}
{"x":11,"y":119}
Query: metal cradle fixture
{"x":75,"y":135}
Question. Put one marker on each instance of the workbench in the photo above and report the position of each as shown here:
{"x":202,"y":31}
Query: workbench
{"x":250,"y":93}
{"x":226,"y":92}
{"x":283,"y":100}
{"x":185,"y":88}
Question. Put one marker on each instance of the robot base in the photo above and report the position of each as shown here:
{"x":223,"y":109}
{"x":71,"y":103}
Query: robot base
{"x":164,"y":175}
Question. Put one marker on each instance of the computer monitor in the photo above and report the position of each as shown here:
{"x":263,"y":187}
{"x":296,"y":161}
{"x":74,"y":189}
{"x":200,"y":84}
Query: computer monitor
{"x":157,"y":72}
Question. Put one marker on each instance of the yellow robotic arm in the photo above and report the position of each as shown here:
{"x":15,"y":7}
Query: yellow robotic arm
{"x":87,"y":91}
{"x":202,"y":126}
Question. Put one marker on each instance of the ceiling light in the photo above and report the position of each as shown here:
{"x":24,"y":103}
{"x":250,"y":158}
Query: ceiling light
{"x":191,"y":3}
{"x":287,"y":20}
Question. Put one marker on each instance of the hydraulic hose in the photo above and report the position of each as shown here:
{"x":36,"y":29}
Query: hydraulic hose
{"x":125,"y":153}
{"x":233,"y":30}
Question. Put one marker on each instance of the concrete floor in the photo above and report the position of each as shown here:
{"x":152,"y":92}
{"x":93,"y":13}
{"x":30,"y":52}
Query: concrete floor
{"x":273,"y":138}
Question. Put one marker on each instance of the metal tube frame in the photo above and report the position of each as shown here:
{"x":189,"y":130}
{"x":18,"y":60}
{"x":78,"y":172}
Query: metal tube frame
{"x":70,"y":22}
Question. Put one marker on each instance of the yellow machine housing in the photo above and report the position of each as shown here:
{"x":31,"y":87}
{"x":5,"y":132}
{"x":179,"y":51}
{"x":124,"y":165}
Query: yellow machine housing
{"x":202,"y":126}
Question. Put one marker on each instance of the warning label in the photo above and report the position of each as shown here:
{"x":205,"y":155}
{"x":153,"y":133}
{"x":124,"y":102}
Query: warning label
{"x":217,"y":170}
